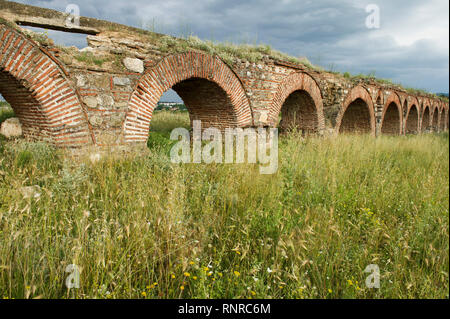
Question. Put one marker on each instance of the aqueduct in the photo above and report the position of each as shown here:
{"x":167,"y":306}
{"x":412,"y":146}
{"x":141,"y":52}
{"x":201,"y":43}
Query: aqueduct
{"x":105,"y":94}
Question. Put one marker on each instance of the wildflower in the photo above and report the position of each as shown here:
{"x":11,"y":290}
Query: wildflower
{"x":210,"y":273}
{"x":173,"y":276}
{"x":182,"y":287}
{"x":144,"y":294}
{"x":191,"y":263}
{"x":195,"y":277}
{"x":269,"y":270}
{"x":186,"y":274}
{"x":237,"y":273}
{"x":350,"y":283}
{"x":28,"y":287}
{"x":205,"y":269}
{"x":253,"y":293}
{"x":330,"y":291}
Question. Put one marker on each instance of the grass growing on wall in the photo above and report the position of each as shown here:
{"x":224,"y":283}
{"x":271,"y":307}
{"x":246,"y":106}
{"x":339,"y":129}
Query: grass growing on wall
{"x":141,"y":227}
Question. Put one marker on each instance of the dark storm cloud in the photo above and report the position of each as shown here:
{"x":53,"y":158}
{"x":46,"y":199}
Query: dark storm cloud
{"x":411,"y":46}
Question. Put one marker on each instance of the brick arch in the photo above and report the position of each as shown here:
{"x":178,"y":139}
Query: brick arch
{"x":357,"y":112}
{"x":299,"y":100}
{"x":434,"y":117}
{"x":392,"y":116}
{"x":412,"y":118}
{"x":426,"y":117}
{"x":192,"y":75}
{"x":442,"y":118}
{"x":36,"y":86}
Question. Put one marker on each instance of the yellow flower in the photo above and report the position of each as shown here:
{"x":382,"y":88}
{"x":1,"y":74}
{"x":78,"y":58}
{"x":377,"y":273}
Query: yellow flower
{"x":253,"y":293}
{"x":182,"y":287}
{"x":205,"y":268}
{"x":195,"y":277}
{"x":330,"y":291}
{"x":144,"y":294}
{"x":186,"y":274}
{"x":173,"y":276}
{"x":237,"y":273}
{"x":191,"y":263}
{"x":281,"y":287}
{"x":350,"y":283}
{"x":28,"y":287}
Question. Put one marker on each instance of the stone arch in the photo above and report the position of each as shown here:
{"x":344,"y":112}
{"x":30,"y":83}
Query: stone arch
{"x":36,"y":86}
{"x":441,"y":124}
{"x":357,"y":113}
{"x":391,"y":118}
{"x":211,"y":91}
{"x":412,"y":118}
{"x":426,"y":117}
{"x":299,"y":100}
{"x":435,"y":118}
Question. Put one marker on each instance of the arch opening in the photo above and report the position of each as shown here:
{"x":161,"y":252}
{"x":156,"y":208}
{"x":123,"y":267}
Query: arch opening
{"x":434,"y":121}
{"x":412,"y":120}
{"x":391,"y":120}
{"x":299,"y":112}
{"x":356,"y":118}
{"x":210,"y":90}
{"x":206,"y":101}
{"x":442,"y":121}
{"x":38,"y":90}
{"x":26,"y":108}
{"x":426,"y":119}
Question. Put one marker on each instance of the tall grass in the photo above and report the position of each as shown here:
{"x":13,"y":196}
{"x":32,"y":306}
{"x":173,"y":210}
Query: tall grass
{"x":141,"y":227}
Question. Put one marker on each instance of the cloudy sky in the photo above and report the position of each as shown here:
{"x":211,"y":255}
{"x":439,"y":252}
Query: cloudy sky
{"x":410,"y":47}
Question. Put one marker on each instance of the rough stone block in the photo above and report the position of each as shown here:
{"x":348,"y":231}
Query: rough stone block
{"x":11,"y":128}
{"x":134,"y":65}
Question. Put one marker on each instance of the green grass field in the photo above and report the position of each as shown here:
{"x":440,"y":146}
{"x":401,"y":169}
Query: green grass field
{"x":141,"y":227}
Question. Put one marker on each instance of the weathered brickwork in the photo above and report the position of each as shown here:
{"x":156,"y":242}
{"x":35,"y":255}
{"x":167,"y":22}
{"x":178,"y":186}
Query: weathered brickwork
{"x":211,"y":91}
{"x":39,"y":91}
{"x":392,"y":116}
{"x":358,"y":113}
{"x":104,"y":95}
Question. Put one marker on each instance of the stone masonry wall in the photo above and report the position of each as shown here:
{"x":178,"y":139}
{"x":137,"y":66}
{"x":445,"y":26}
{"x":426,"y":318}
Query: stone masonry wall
{"x":104,"y":94}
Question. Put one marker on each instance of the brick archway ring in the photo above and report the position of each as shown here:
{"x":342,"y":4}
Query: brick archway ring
{"x":393,"y":98}
{"x":172,"y":70}
{"x":295,"y":82}
{"x":413,"y":102}
{"x":45,"y":81}
{"x":358,"y":92}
